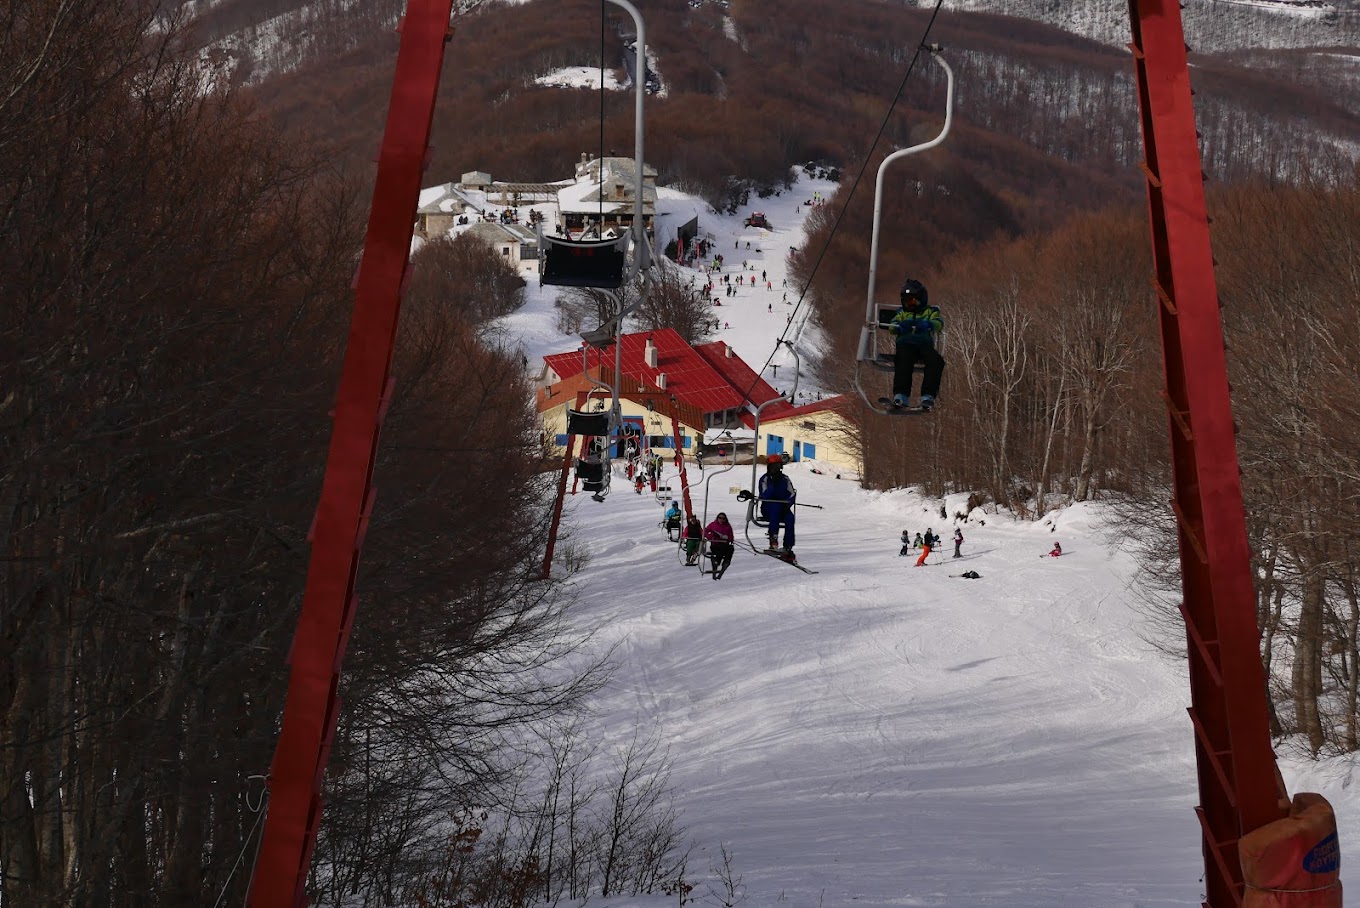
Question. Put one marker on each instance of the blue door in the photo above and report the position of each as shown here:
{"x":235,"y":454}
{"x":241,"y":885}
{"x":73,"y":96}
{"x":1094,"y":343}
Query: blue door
{"x":809,"y":451}
{"x":797,"y":451}
{"x":636,"y":423}
{"x":774,"y":444}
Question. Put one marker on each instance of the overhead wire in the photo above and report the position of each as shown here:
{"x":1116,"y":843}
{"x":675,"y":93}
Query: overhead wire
{"x":835,"y":225}
{"x":599,"y":229}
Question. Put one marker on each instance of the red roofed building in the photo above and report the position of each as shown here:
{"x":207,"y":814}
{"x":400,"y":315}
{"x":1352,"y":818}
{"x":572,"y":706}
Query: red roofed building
{"x":710,"y":378}
{"x":707,"y":383}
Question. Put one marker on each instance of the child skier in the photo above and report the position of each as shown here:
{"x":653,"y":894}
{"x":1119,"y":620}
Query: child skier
{"x":929,"y":542}
{"x":719,"y":535}
{"x":906,"y":543}
{"x":1056,"y":551}
{"x":673,"y":517}
{"x":958,"y":542}
{"x":915,"y":326}
{"x":918,"y":542}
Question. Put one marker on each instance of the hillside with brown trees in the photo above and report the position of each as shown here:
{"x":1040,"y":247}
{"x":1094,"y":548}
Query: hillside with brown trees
{"x":1047,"y":120}
{"x":176,"y":277}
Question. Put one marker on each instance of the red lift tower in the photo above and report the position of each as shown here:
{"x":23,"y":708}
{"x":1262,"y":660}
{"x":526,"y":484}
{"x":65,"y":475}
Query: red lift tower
{"x":1240,"y":789}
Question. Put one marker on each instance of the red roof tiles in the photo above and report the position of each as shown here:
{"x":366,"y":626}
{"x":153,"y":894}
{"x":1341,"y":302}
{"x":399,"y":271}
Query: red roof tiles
{"x":693,"y":374}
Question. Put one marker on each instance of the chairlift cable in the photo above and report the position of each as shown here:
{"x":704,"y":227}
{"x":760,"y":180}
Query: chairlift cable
{"x":599,"y":215}
{"x":835,"y":225}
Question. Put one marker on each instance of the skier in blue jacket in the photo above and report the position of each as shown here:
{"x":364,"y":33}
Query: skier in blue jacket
{"x":673,"y":518}
{"x":915,"y":326}
{"x":777,"y":496}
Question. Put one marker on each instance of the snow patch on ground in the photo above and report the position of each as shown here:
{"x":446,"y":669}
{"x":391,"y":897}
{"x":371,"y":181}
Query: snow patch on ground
{"x":580,"y":77}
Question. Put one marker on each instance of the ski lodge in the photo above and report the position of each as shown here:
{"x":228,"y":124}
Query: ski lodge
{"x":674,"y":390}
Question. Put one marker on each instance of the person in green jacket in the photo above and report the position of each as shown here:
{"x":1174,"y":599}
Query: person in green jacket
{"x":915,"y":326}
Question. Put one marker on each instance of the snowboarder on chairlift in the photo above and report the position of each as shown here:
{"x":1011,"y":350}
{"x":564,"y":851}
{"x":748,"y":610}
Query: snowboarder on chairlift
{"x":915,"y":326}
{"x":777,"y":496}
{"x":720,"y":536}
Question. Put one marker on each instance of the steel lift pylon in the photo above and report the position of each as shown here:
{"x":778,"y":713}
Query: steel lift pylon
{"x":1239,"y":784}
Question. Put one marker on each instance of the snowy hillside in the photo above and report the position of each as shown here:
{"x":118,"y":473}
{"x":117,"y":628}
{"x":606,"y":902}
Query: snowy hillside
{"x":879,"y":733}
{"x":750,"y":320}
{"x":273,"y":43}
{"x":1211,"y":26}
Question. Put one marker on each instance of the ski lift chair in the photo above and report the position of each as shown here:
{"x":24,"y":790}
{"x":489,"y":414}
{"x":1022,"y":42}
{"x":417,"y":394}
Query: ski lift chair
{"x":592,"y":418}
{"x":565,"y":262}
{"x":877,"y":316}
{"x":594,"y":475}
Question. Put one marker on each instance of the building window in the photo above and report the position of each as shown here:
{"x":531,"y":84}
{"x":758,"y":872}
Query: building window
{"x":809,"y":425}
{"x":505,"y":250}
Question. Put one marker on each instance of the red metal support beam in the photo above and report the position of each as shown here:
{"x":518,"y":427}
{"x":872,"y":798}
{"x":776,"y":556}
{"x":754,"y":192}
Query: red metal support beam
{"x":561,"y":495}
{"x":680,"y":461}
{"x":1236,"y":765}
{"x":347,"y":494}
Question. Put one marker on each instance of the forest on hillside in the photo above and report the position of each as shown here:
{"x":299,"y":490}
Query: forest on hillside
{"x":177,"y":302}
{"x":1047,"y":120}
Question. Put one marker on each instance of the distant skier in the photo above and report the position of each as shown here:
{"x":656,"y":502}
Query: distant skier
{"x":1056,"y":551}
{"x":639,"y":482}
{"x":777,"y":496}
{"x":719,"y":535}
{"x":928,"y":542}
{"x":958,"y":542}
{"x":673,"y":518}
{"x":915,"y":326}
{"x":693,"y":534}
{"x":906,"y":543}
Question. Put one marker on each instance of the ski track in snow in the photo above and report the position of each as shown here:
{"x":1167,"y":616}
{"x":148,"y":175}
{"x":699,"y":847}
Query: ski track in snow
{"x":893,"y":735}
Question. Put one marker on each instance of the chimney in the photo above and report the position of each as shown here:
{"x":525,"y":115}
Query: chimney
{"x":729,"y":353}
{"x":649,"y":355}
{"x":618,"y":190}
{"x":661,"y":381}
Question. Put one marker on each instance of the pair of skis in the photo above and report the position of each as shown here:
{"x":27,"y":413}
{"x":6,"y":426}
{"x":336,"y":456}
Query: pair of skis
{"x":786,"y":557}
{"x":893,"y":409}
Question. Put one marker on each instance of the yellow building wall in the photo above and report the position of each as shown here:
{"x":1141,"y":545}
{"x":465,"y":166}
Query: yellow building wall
{"x":555,"y":424}
{"x":835,"y":438}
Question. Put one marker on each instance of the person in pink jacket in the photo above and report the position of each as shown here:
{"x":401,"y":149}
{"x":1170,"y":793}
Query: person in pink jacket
{"x":719,"y":535}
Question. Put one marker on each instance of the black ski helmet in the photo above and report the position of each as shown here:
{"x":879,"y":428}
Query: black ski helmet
{"x":915,"y":289}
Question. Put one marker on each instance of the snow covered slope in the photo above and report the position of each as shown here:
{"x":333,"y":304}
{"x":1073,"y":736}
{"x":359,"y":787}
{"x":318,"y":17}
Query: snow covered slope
{"x":883,"y":734}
